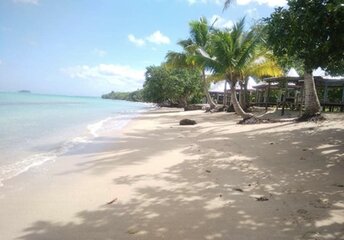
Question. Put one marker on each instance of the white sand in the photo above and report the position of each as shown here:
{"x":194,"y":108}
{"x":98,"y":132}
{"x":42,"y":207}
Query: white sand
{"x":187,"y":182}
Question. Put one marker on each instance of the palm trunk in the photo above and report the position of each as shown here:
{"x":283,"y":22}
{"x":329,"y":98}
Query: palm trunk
{"x":246,"y":97}
{"x":241,"y":96}
{"x":206,"y":92}
{"x":238,"y":109}
{"x":312,"y":104}
{"x":225,"y":96}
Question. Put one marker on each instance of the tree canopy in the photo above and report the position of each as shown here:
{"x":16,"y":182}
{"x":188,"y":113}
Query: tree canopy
{"x":311,"y":31}
{"x":178,"y":86}
{"x":191,"y":57}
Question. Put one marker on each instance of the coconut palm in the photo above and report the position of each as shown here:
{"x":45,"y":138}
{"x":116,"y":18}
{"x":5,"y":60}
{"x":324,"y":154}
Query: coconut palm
{"x":190,"y":56}
{"x":236,"y":56}
{"x":262,"y":64}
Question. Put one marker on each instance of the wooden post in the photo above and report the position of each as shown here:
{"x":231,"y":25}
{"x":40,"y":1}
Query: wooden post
{"x":301,"y":100}
{"x":342,"y":107}
{"x":284,"y":96}
{"x":257,"y":97}
{"x":325,"y":97}
{"x":267,"y":97}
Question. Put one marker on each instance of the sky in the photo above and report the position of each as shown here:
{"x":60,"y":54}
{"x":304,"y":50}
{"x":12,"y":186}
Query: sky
{"x":92,"y":47}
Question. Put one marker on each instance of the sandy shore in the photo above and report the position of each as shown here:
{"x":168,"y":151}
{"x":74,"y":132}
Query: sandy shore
{"x":214,"y":180}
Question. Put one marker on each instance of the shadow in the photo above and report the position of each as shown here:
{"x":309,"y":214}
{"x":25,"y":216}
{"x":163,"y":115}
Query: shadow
{"x":225,"y":186}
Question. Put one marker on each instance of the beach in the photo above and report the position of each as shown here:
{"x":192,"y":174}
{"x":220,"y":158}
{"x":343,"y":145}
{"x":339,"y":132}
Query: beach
{"x":214,"y":180}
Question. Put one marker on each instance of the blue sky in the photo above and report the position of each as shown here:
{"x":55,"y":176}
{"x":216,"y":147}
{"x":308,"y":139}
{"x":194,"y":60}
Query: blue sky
{"x":91,"y":47}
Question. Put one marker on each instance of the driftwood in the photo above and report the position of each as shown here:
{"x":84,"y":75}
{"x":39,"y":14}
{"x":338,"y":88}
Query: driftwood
{"x":112,"y":201}
{"x":216,"y":109}
{"x":192,"y":107}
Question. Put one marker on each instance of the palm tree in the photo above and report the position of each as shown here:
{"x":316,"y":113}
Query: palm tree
{"x":190,"y":56}
{"x":262,"y":64}
{"x":236,"y":56}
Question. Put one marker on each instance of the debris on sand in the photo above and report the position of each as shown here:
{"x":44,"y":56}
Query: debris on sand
{"x":112,"y":201}
{"x":187,"y":122}
{"x":238,"y":189}
{"x":262,"y":199}
{"x":321,"y":203}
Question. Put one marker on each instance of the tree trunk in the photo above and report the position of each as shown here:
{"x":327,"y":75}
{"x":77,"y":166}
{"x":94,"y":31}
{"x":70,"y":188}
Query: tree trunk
{"x":183,"y":102}
{"x":241,"y":96}
{"x":238,"y":109}
{"x":246,"y":96}
{"x":225,"y":96}
{"x":210,"y":101}
{"x":312,"y":104}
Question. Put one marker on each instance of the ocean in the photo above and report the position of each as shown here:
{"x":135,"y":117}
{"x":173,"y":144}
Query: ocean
{"x":36,"y":128}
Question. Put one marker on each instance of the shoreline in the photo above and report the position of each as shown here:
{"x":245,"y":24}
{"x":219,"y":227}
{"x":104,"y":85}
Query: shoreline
{"x":89,"y":134}
{"x":213,"y":180}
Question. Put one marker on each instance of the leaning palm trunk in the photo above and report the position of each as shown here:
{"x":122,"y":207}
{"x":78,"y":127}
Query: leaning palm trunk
{"x":238,"y":109}
{"x":206,"y":92}
{"x":312,"y":104}
{"x":246,"y":99}
{"x":241,"y":96}
{"x":225,"y":95}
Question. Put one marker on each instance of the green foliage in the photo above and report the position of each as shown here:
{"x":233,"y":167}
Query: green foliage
{"x":135,"y":96}
{"x":311,"y":32}
{"x":178,"y":86}
{"x":190,"y":57}
{"x":233,"y":51}
{"x":334,"y":95}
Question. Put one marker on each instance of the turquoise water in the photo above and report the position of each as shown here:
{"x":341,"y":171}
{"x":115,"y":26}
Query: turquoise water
{"x":36,"y":128}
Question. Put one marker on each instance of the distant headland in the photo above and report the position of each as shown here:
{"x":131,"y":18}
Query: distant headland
{"x":24,"y":91}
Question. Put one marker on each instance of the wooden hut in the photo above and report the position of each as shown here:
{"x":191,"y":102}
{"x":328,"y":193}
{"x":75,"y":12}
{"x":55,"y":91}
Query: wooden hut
{"x":330,"y":85}
{"x":291,"y":92}
{"x":217,"y":90}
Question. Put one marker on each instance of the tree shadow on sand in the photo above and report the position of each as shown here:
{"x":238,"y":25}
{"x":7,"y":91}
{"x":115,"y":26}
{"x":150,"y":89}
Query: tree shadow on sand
{"x":214,"y":192}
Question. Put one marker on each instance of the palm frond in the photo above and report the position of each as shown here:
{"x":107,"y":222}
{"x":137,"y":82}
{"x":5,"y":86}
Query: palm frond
{"x":226,"y":5}
{"x":176,"y":59}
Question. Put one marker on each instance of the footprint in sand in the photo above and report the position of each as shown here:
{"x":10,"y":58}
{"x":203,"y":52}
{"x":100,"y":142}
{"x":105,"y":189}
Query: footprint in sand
{"x":304,"y":214}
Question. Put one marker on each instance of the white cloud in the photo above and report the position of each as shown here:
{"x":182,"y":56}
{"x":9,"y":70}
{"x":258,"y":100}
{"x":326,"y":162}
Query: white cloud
{"x":158,"y":38}
{"x":35,"y":2}
{"x":121,"y":77}
{"x":253,"y":13}
{"x":271,"y":3}
{"x":99,"y":52}
{"x":220,"y":22}
{"x":137,"y":41}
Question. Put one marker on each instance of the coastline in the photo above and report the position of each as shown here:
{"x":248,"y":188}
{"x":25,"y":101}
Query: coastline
{"x":55,"y":147}
{"x":165,"y":181}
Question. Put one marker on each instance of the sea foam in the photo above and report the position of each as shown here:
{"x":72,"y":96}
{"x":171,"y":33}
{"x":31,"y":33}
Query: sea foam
{"x":94,"y":130}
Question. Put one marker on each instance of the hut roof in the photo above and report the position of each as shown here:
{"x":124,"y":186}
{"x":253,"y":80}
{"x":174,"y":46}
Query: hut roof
{"x":220,"y":86}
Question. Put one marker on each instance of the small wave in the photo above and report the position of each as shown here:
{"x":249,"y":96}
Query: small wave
{"x":111,"y":123}
{"x":95,"y":127}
